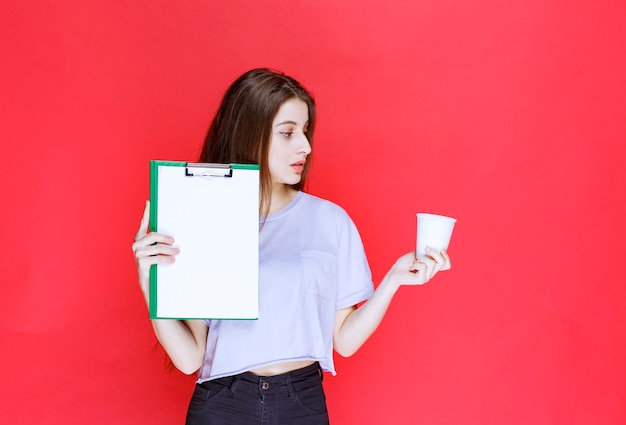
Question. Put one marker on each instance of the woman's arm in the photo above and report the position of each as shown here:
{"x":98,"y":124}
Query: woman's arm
{"x":184,"y":341}
{"x":353,"y":326}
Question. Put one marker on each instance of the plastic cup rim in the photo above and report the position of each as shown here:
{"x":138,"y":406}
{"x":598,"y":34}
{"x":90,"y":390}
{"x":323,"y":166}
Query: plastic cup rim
{"x":436,"y":217}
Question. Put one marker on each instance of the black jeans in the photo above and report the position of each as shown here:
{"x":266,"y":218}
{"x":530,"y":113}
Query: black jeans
{"x":292,"y":398}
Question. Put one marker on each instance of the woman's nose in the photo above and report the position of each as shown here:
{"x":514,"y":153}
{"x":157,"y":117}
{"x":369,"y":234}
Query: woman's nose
{"x":304,"y":146}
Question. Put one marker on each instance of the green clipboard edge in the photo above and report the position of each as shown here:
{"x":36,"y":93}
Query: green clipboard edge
{"x":154,"y":195}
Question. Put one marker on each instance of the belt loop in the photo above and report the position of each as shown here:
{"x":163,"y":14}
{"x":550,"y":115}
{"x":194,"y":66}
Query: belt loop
{"x":234,"y":383}
{"x":290,"y":390}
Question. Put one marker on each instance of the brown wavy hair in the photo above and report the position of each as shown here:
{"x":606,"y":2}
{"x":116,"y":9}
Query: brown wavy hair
{"x":241,"y":131}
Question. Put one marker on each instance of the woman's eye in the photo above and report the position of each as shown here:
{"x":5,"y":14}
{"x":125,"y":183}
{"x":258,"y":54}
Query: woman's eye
{"x":286,"y":133}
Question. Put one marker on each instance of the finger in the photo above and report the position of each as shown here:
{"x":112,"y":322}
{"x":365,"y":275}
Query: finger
{"x":435,"y":255}
{"x":448,"y":264}
{"x":146,"y":262}
{"x":425,"y":262}
{"x":152,"y":238}
{"x":145,"y":221}
{"x":440,"y":259}
{"x":155,"y":250}
{"x":431,"y":267}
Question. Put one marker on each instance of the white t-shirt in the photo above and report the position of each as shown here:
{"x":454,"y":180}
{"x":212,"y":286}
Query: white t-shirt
{"x":311,"y":263}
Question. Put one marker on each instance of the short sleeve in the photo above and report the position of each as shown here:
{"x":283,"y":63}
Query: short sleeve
{"x":354,"y":277}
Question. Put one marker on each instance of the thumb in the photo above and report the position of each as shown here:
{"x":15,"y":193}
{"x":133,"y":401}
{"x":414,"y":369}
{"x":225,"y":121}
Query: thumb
{"x":145,"y":221}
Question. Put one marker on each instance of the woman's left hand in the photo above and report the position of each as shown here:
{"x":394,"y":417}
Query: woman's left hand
{"x":409,"y":270}
{"x":353,"y":326}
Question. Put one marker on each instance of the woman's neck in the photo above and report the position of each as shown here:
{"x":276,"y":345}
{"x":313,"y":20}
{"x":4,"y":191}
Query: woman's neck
{"x":281,"y":196}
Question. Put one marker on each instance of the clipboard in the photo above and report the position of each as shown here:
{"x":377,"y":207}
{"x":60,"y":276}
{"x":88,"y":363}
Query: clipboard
{"x":212,"y":212}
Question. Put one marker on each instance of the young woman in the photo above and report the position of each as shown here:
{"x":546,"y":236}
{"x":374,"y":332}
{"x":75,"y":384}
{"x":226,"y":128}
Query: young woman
{"x":312,"y":272}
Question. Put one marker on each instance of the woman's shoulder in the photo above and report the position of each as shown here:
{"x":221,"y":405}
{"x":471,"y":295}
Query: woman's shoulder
{"x":318,"y":205}
{"x":318,"y":202}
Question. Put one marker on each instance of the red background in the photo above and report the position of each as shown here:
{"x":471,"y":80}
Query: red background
{"x":509,"y":116}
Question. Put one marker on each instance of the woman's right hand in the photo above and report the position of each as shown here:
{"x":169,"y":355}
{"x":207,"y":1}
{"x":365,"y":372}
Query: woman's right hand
{"x":151,"y":248}
{"x":184,"y":341}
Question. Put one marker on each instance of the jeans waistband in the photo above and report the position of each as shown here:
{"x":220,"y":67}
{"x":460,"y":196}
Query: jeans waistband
{"x":295,"y":378}
{"x":294,"y":375}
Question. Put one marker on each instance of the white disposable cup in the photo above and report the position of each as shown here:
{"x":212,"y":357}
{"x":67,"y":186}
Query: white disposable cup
{"x":433,"y":231}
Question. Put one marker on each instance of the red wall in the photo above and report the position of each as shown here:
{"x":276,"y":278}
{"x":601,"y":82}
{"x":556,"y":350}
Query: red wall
{"x":509,"y":116}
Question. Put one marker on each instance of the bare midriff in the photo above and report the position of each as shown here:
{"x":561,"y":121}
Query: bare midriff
{"x":280,"y":368}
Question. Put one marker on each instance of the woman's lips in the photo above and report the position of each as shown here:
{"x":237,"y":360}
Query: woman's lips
{"x":298,"y":166}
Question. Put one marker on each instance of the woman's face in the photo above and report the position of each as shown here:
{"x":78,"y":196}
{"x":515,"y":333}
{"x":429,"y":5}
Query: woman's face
{"x":289,"y":145}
